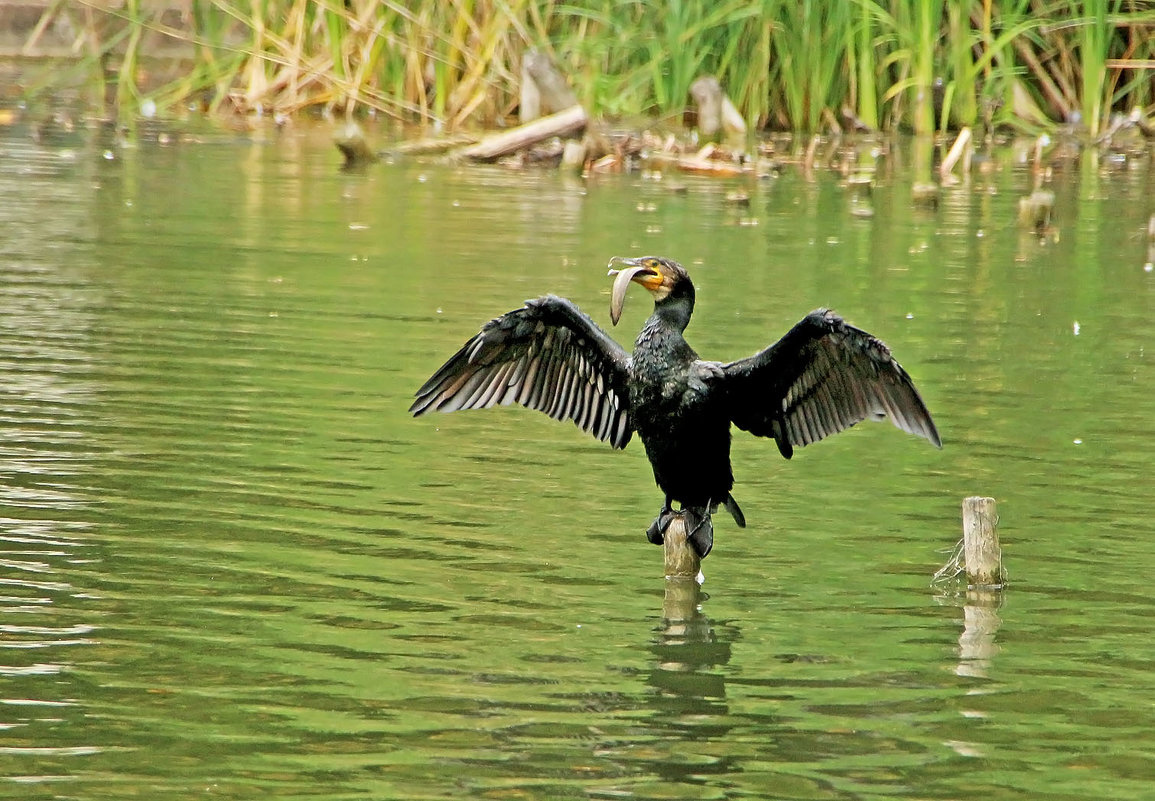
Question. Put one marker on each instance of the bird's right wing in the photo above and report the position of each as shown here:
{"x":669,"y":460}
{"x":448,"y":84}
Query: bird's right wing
{"x":547,"y":355}
{"x":821,"y":378}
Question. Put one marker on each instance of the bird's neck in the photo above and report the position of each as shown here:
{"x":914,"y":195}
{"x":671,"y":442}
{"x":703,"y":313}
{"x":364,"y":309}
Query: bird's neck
{"x":661,"y":337}
{"x":671,"y":315}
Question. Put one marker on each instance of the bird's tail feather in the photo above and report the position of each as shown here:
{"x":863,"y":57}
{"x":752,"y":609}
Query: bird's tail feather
{"x":735,"y":510}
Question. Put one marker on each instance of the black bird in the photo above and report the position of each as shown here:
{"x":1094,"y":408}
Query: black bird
{"x":822,"y":377}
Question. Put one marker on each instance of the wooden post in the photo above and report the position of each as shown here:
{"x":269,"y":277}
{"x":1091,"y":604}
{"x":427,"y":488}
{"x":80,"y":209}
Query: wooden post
{"x":681,"y":561}
{"x":982,"y":555}
{"x":716,"y":112}
{"x":529,"y":101}
{"x":548,"y":92}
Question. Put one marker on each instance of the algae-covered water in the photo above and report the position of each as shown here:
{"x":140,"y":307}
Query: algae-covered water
{"x":234,"y":567}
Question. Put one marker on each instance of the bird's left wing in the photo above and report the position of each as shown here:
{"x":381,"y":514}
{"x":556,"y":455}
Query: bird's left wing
{"x":821,"y":378}
{"x":547,"y":355}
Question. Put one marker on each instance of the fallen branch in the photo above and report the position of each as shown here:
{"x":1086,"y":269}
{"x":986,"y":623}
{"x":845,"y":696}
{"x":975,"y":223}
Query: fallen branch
{"x":563,"y":123}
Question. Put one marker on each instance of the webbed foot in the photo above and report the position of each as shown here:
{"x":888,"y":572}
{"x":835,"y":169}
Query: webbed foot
{"x":700,"y":531}
{"x":657,"y":530}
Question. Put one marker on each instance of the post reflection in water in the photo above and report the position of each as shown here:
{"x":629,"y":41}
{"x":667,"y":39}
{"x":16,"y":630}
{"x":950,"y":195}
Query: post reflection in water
{"x":976,"y":645}
{"x":690,"y":699}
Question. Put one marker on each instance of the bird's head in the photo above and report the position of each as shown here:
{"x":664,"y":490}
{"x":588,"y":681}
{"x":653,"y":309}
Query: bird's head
{"x":664,"y":278}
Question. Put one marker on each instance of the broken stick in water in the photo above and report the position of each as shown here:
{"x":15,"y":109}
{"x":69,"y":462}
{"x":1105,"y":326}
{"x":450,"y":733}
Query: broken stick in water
{"x":960,"y":146}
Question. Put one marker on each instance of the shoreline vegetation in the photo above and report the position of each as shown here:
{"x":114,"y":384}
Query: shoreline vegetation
{"x":920,"y":66}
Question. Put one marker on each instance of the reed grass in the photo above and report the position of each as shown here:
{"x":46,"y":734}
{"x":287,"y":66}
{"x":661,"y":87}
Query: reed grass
{"x":922,"y":65}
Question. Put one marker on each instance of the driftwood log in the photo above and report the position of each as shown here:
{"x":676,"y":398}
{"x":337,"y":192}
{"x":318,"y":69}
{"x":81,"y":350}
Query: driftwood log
{"x":430,"y":146}
{"x":571,"y":121}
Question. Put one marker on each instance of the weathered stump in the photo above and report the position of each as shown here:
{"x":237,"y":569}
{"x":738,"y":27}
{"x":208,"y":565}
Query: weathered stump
{"x":716,"y":112}
{"x":543,"y":88}
{"x":983,"y":557}
{"x":354,"y":146}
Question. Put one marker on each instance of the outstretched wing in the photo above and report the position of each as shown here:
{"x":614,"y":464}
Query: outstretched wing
{"x":547,"y":355}
{"x":821,"y":378}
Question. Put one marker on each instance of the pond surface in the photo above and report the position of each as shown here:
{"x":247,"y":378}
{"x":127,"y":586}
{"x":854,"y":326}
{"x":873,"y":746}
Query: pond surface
{"x":234,"y":567}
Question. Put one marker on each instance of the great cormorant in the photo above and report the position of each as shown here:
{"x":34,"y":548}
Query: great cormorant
{"x":822,"y":377}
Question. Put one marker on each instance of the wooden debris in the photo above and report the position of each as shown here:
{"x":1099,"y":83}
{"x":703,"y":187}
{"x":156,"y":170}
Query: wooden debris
{"x":529,"y":97}
{"x":432,"y":146}
{"x":712,"y":159}
{"x":701,"y":166}
{"x":607,"y":163}
{"x":573,"y":157}
{"x":564,"y":123}
{"x":958,"y":149}
{"x":716,"y":112}
{"x":543,"y":88}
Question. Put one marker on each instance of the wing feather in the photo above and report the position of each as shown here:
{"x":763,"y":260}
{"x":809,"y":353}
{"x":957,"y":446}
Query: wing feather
{"x":823,"y":377}
{"x":547,"y":355}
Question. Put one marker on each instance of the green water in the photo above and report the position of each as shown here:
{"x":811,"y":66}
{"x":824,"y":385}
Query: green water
{"x":234,"y":567}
